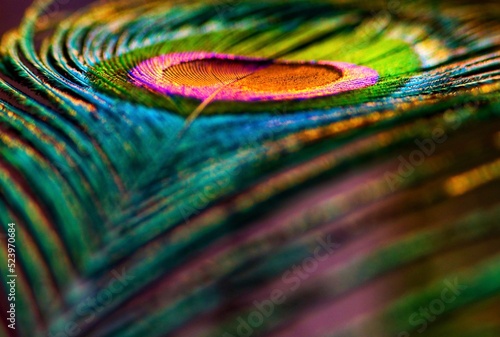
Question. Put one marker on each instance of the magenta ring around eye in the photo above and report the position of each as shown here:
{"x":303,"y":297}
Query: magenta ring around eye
{"x":150,"y":74}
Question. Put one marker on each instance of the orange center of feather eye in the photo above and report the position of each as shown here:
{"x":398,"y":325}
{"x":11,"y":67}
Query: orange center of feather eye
{"x":263,"y":76}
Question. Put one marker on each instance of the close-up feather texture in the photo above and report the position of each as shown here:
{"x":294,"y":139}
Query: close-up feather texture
{"x":233,"y":168}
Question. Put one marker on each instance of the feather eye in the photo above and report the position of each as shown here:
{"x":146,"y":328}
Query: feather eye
{"x":203,"y":75}
{"x":304,"y":56}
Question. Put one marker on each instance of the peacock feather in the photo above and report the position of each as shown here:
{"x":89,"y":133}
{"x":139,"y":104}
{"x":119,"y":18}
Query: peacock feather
{"x":232,"y":168}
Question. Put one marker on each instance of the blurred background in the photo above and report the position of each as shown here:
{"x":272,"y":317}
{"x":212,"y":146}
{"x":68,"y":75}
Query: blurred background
{"x":12,"y":10}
